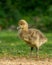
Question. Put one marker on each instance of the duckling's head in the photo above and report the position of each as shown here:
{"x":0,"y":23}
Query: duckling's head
{"x":23,"y":24}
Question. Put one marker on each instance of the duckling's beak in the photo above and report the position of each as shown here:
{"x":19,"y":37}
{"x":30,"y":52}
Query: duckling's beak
{"x":18,"y":28}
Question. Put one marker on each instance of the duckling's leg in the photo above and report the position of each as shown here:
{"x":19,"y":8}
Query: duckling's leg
{"x":31,"y":49}
{"x":37,"y":52}
{"x":31,"y":53}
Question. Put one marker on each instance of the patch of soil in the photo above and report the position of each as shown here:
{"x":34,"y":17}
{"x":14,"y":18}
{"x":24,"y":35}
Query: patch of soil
{"x":25,"y":61}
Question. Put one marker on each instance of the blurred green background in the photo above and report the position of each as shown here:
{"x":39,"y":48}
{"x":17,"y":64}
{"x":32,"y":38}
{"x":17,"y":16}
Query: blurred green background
{"x":38,"y":13}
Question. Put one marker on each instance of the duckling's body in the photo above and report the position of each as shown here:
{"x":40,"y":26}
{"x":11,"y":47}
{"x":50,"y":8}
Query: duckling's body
{"x":31,"y":36}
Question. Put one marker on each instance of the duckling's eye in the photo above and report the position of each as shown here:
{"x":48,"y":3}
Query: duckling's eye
{"x":21,"y":23}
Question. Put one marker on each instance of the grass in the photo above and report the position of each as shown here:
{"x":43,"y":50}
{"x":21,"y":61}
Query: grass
{"x":11,"y":45}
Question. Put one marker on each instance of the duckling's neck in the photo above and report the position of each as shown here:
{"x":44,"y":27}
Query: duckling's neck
{"x":25,"y":29}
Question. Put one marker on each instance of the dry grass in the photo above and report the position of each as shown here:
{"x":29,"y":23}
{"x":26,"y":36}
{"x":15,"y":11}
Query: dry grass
{"x":25,"y":61}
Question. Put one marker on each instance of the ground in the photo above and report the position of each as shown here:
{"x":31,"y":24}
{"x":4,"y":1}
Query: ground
{"x":25,"y":61}
{"x":14,"y":51}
